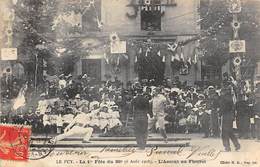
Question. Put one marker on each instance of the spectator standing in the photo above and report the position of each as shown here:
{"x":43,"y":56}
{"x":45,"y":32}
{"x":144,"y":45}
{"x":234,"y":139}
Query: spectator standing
{"x":243,"y":118}
{"x":213,"y":102}
{"x":227,"y":114}
{"x":205,"y":119}
{"x":159,"y":102}
{"x":62,"y":82}
{"x":141,"y":108}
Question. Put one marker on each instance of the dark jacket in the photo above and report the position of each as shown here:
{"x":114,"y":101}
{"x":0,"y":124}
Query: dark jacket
{"x":242,"y":108}
{"x":226,"y":106}
{"x":227,"y":112}
{"x":141,"y":107}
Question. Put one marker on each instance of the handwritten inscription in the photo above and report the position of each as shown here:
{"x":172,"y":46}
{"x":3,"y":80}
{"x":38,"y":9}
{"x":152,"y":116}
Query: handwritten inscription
{"x":194,"y":154}
{"x":123,"y":149}
{"x":198,"y":152}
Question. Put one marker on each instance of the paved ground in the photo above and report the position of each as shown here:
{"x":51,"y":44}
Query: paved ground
{"x":206,"y":152}
{"x":193,"y":139}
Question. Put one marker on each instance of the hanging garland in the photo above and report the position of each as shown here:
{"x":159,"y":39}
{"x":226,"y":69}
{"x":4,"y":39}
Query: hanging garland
{"x":178,"y":62}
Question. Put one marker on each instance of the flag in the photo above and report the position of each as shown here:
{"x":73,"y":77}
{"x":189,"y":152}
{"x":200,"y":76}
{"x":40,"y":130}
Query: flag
{"x":99,"y":23}
{"x":20,"y":99}
{"x":234,"y":98}
{"x":172,"y":58}
{"x":247,"y":87}
{"x":118,"y":61}
{"x":163,"y":59}
{"x":189,"y":61}
{"x":177,"y":57}
{"x":146,"y":53}
{"x":106,"y":58}
{"x":234,"y":82}
{"x":136,"y":65}
{"x":175,"y":62}
{"x":140,"y":50}
{"x":45,"y":64}
{"x":159,"y":53}
{"x":125,"y":56}
{"x":195,"y":59}
{"x":182,"y":56}
{"x":172,"y":47}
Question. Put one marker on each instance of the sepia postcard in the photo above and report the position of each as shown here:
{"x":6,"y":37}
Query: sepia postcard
{"x":129,"y":83}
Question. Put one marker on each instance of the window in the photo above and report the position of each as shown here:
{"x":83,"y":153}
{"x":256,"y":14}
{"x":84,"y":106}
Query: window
{"x":151,"y":15}
{"x":91,"y":18}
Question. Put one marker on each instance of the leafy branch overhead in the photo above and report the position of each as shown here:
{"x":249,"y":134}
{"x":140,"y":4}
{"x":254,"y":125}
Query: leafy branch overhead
{"x":43,"y":28}
{"x":217,"y":30}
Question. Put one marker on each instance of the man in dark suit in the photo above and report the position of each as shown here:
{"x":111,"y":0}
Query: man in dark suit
{"x":227,"y":117}
{"x":141,"y":108}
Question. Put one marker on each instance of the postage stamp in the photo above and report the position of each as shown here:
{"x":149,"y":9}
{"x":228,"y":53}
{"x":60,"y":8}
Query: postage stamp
{"x":14,"y":142}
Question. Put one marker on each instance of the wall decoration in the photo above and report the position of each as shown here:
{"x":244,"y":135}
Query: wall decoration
{"x":149,"y":5}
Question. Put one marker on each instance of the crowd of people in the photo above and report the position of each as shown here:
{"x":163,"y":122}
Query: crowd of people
{"x":188,"y":109}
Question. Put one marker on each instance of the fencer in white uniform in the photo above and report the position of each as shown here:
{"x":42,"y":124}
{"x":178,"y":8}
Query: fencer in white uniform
{"x":78,"y":126}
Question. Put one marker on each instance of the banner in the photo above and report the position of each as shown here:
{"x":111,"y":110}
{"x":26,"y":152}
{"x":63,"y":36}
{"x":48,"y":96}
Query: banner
{"x":237,"y":46}
{"x":234,"y":6}
{"x":118,"y":47}
{"x":9,"y":54}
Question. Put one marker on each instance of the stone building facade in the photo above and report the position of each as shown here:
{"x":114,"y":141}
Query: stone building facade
{"x":177,"y":23}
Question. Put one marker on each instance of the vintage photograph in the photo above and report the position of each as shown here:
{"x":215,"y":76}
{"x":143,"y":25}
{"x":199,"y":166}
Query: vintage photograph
{"x":129,"y":83}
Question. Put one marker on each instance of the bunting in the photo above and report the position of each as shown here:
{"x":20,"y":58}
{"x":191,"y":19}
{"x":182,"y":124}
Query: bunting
{"x":163,"y":59}
{"x":106,"y":58}
{"x":195,"y":60}
{"x":189,"y":63}
{"x":172,"y":58}
{"x":20,"y":99}
{"x":189,"y":60}
{"x":140,"y":51}
{"x":136,"y":59}
{"x":182,"y":56}
{"x":172,"y":47}
{"x":118,"y":61}
{"x":177,"y":57}
{"x":146,"y":52}
{"x":159,"y":53}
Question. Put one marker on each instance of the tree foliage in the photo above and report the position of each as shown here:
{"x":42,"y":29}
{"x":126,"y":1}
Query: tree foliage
{"x":35,"y":36}
{"x":216,"y":27}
